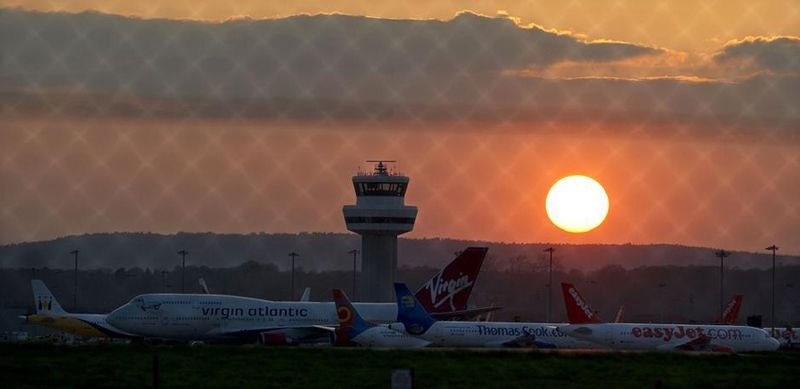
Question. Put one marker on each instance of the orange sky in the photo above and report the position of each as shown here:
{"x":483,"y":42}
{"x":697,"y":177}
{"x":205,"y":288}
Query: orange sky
{"x":712,"y":164}
{"x":680,"y":24}
{"x":474,"y":182}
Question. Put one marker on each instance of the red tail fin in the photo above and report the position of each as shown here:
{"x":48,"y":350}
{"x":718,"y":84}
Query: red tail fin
{"x":731,"y":313}
{"x":449,"y":289}
{"x":578,"y":310}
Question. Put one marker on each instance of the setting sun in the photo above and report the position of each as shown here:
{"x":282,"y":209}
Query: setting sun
{"x":577,"y":204}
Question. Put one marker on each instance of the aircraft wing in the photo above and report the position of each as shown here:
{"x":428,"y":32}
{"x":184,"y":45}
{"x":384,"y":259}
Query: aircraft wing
{"x":466,"y":314}
{"x":526,"y":340}
{"x":701,"y":343}
{"x":278,"y":335}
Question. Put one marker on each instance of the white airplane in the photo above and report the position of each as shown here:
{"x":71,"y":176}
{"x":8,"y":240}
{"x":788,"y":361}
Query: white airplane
{"x":788,"y":337}
{"x":585,"y":324}
{"x":414,"y":320}
{"x":353,"y":329}
{"x":50,"y":314}
{"x":233,"y":318}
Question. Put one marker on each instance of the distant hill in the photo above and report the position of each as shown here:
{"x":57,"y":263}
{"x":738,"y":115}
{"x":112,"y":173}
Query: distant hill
{"x":328,"y":251}
{"x":651,"y":282}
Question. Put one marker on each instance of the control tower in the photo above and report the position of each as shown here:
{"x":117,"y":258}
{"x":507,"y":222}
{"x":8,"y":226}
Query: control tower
{"x":379,"y":216}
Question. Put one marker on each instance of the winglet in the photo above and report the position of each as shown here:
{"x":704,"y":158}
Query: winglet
{"x":306,"y":295}
{"x":350,"y":322}
{"x":44,"y":300}
{"x":450,"y":288}
{"x":203,"y":285}
{"x":578,"y":310}
{"x":410,"y":312}
{"x":620,"y":312}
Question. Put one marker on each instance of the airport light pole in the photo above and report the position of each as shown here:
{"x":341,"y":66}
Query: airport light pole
{"x":722,"y":254}
{"x":293,"y":255}
{"x":662,"y":286}
{"x":788,"y":292}
{"x":355,"y":254}
{"x":183,"y":269}
{"x":75,"y":291}
{"x":164,"y":280}
{"x":773,"y":248}
{"x":550,"y":283}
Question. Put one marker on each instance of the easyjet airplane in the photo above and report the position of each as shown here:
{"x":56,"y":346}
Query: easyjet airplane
{"x":585,"y":324}
{"x":234,"y":318}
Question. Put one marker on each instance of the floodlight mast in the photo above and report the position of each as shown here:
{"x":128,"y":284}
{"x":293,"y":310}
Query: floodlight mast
{"x":722,"y":254}
{"x":773,"y":248}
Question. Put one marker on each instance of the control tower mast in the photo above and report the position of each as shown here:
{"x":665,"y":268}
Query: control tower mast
{"x":379,"y":216}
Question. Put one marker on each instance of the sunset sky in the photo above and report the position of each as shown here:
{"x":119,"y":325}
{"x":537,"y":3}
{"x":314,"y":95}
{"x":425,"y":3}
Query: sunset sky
{"x":243,"y":117}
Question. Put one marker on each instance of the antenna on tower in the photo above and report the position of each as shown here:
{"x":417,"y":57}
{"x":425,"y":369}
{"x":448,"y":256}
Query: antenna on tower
{"x":380,"y":168}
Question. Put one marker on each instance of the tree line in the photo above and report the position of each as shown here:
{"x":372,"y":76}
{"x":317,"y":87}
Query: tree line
{"x":670,"y":293}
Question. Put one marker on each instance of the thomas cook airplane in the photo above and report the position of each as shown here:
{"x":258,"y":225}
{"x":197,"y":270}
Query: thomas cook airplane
{"x":414,"y":320}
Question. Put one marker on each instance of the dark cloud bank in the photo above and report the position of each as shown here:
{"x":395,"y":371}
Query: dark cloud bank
{"x":778,"y":55}
{"x":336,"y":66}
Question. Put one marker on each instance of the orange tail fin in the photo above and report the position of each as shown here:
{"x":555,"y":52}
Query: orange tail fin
{"x":731,"y":313}
{"x":578,"y":310}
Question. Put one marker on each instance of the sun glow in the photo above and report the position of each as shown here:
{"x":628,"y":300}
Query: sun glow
{"x":577,"y":204}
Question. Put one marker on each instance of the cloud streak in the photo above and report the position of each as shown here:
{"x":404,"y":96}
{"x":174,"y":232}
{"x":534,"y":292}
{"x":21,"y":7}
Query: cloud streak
{"x":354,"y":67}
{"x":779,"y":55}
{"x":105,"y":52}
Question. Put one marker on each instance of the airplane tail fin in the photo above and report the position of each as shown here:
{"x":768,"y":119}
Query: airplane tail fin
{"x":450,"y":288}
{"x":731,"y":313}
{"x":44,"y":300}
{"x":350,"y":321}
{"x":410,"y":311}
{"x":578,"y":310}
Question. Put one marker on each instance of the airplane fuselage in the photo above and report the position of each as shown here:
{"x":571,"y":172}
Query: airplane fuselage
{"x":498,"y":334}
{"x":631,"y":336}
{"x":211,"y":317}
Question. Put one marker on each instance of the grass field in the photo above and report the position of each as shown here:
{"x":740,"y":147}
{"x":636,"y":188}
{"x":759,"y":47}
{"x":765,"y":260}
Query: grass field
{"x":46,"y":365}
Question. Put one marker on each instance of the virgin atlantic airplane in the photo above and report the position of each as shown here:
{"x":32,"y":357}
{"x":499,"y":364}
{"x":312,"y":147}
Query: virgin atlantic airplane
{"x":233,"y":318}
